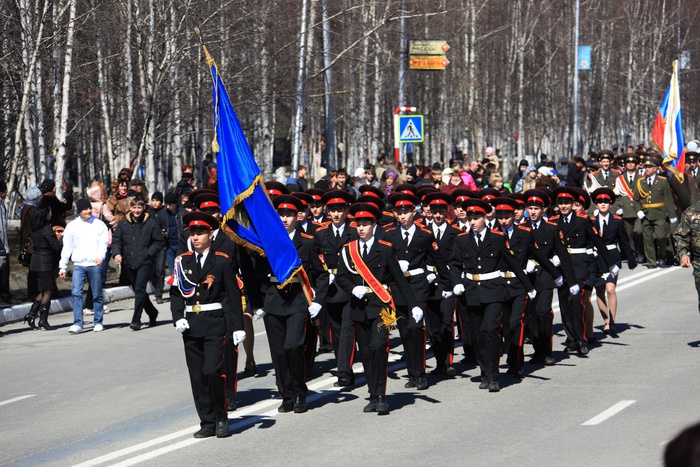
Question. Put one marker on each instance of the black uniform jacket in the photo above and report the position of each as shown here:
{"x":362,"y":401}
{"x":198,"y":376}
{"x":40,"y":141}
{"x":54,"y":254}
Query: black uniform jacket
{"x":382,"y":261}
{"x":214,"y":283}
{"x":614,"y":234}
{"x":522,"y":244}
{"x":549,"y":241}
{"x":445,"y":244}
{"x":576,"y":234}
{"x":137,"y":242}
{"x":422,"y":250}
{"x":329,"y":249}
{"x":485,"y":258}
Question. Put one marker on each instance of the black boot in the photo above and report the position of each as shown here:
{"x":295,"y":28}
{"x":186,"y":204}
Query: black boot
{"x":31,"y":316}
{"x":44,"y":317}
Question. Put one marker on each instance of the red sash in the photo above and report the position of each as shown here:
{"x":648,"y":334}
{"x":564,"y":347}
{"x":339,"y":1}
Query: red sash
{"x":624,"y":188}
{"x":366,"y":273}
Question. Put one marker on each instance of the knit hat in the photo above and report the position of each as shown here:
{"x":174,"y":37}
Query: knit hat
{"x":157,"y":196}
{"x":83,"y":204}
{"x":170,"y":198}
{"x":32,"y":194}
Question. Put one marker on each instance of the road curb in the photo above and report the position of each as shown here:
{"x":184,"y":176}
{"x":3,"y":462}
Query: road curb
{"x":13,"y":314}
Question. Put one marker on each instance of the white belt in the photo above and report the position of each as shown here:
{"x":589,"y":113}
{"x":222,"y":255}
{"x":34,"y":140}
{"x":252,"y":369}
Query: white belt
{"x":611,"y":247}
{"x":201,"y":308}
{"x":577,"y":251}
{"x":333,"y":271}
{"x":482,"y":277}
{"x":369,"y":289}
{"x":274,"y":280}
{"x":431,"y":269}
{"x":414,"y":272}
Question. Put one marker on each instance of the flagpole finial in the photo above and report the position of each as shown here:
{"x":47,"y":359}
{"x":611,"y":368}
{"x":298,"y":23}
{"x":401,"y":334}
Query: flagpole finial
{"x":210,"y":60}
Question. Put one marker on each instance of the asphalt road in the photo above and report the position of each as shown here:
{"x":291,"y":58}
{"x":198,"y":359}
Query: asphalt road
{"x":123,"y":397}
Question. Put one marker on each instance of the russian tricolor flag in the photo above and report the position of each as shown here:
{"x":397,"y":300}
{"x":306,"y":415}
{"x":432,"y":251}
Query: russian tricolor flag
{"x":667,"y":134}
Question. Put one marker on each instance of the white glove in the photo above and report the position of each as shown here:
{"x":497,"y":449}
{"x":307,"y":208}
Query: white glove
{"x":359,"y":291}
{"x":614,"y":270}
{"x":640,"y":214}
{"x":532,"y":294}
{"x":331,"y":278}
{"x":458,"y":289}
{"x":530,"y":266}
{"x":673,"y":221}
{"x":417,"y":314}
{"x":559,"y":281}
{"x":314,"y":309}
{"x":574,"y":289}
{"x":181,"y":325}
{"x":430,"y":278}
{"x":446,"y":294}
{"x":556,"y":261}
{"x":595,"y":212}
{"x":619,"y":212}
{"x":238,"y":337}
{"x":605,"y":276}
{"x":404,"y":265}
{"x":259,"y":313}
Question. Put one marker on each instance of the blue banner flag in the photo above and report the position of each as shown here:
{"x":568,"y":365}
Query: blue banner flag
{"x":248,"y":212}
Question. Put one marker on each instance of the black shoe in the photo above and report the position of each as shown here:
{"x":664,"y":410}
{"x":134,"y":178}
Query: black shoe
{"x":136,"y":327}
{"x":450,"y":372}
{"x":206,"y":432}
{"x":44,"y":317}
{"x":549,"y":361}
{"x":342,"y":382}
{"x":300,"y":404}
{"x":438,"y":370}
{"x":251,"y":370}
{"x":159,"y":300}
{"x":484,"y":383}
{"x":591,"y":341}
{"x":222,"y":429}
{"x":422,"y":381}
{"x":411,"y":383}
{"x":570,"y":349}
{"x":382,"y":405}
{"x":517,"y":372}
{"x":372,"y":406}
{"x":536,"y":359}
{"x":231,"y":405}
{"x":287,"y":406}
{"x":494,"y":386}
{"x":582,"y":348}
{"x":32,"y":315}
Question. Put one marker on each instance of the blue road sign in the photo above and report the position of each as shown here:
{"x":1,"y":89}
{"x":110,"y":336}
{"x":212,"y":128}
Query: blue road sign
{"x":411,"y":129}
{"x":584,"y":57}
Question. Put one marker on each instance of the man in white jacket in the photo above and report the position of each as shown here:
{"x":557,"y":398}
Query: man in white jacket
{"x":85,"y":242}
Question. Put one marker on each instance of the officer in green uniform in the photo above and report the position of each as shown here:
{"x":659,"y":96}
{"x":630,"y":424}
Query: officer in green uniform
{"x":687,"y":241}
{"x":654,"y":194}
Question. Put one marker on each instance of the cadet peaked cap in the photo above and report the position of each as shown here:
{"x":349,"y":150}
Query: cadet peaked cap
{"x":536,"y":198}
{"x":603,"y":194}
{"x":582,"y":197}
{"x":406,"y":188}
{"x":365,"y":211}
{"x":305,"y":198}
{"x":504,"y":204}
{"x":275,"y":188}
{"x":487,"y":194}
{"x":371,"y":191}
{"x":438,"y":198}
{"x":337,"y":197}
{"x":462,"y":195}
{"x":399,"y":200}
{"x":565,"y":192}
{"x":476,"y":206}
{"x":199,"y":220}
{"x":373,"y":200}
{"x":289,"y":202}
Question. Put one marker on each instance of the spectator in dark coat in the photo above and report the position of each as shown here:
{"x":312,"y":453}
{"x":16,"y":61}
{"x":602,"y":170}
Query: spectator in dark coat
{"x":58,"y":207}
{"x":577,"y":172}
{"x":43,"y":265}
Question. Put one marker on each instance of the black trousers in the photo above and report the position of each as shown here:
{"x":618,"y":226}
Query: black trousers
{"x":374,"y":351}
{"x":572,"y":316}
{"x":231,"y":362}
{"x":439,"y":322}
{"x":310,"y":342}
{"x":513,"y":329}
{"x":205,"y":362}
{"x":541,"y":318}
{"x":138,"y":279}
{"x":484,"y":324}
{"x":158,"y":274}
{"x":342,"y":337}
{"x":413,"y":338}
{"x":463,"y":319}
{"x":5,"y":293}
{"x":286,"y":335}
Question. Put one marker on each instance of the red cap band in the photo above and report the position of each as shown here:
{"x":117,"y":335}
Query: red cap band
{"x":199,"y":223}
{"x":404,"y":202}
{"x":603,"y":196}
{"x":364,"y":215}
{"x":438,"y":201}
{"x":565,"y":195}
{"x":209,"y":204}
{"x":476,"y":209}
{"x":274,"y":192}
{"x":535,"y":199}
{"x":337,"y":201}
{"x":504,"y":207}
{"x":287,"y":206}
{"x":371,"y":193}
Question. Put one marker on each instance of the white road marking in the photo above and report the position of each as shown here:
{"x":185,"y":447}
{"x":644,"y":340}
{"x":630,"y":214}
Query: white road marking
{"x":600,"y":418}
{"x":17,"y":399}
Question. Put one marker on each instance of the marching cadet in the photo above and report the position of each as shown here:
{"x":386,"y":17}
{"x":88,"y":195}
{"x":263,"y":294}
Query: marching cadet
{"x":521,"y":243}
{"x":369,"y":191}
{"x":476,"y":272}
{"x":611,"y":230}
{"x":304,"y":222}
{"x":576,"y":233}
{"x":582,"y":204}
{"x":519,"y":213}
{"x":489,"y":194}
{"x":202,"y":304}
{"x":548,"y":237}
{"x":626,"y":189}
{"x":330,"y":239}
{"x":287,"y":311}
{"x":654,"y":195}
{"x":458,"y":197}
{"x":367,"y":268}
{"x":414,"y":246}
{"x":692,"y":175}
{"x":440,"y":310}
{"x":316,"y":206}
{"x":687,"y":242}
{"x":275,"y":188}
{"x":605,"y":176}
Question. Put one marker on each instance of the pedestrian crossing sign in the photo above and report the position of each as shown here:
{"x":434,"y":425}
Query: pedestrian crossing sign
{"x":411,"y":129}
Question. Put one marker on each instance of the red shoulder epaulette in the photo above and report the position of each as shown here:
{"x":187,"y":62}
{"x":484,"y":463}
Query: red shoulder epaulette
{"x":425,"y":229}
{"x":454,"y":227}
{"x":615,"y":170}
{"x":597,"y":171}
{"x":418,"y":222}
{"x":318,"y":223}
{"x":463,"y":233}
{"x":496,"y":231}
{"x":305,"y":235}
{"x":390,"y":228}
{"x":617,"y":217}
{"x":221,"y":253}
{"x":384,"y":242}
{"x":322,"y":227}
{"x":187,"y":253}
{"x":552,"y":223}
{"x":553,"y":218}
{"x":524,"y":227}
{"x":582,"y":215}
{"x":592,"y":218}
{"x":388,"y":213}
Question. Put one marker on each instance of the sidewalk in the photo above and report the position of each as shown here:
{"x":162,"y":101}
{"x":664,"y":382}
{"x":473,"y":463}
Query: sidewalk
{"x":16,"y":313}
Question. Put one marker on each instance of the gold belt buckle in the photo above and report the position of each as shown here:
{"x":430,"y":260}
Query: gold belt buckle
{"x":569,"y":250}
{"x":196,"y":308}
{"x":476,"y":277}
